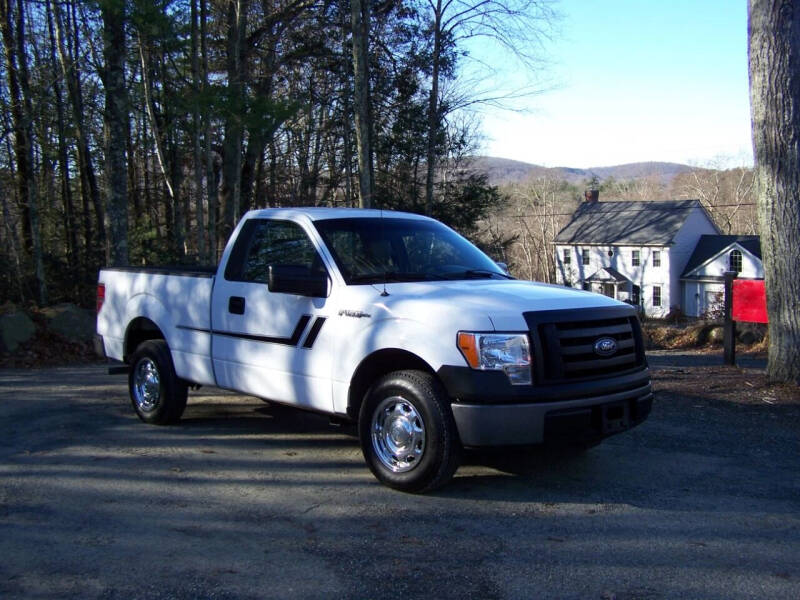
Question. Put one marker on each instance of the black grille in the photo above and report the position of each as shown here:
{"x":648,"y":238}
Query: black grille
{"x":565,"y":344}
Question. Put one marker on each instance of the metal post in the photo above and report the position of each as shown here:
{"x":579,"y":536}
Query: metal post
{"x":729,"y":328}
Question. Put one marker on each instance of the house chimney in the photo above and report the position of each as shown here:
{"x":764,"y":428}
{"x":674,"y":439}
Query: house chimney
{"x":591,"y":195}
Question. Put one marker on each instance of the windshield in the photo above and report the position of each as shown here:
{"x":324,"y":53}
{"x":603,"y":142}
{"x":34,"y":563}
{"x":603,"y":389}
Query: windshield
{"x":375,"y":250}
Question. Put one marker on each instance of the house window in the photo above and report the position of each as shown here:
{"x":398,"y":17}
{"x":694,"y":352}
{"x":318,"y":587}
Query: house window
{"x":567,"y":256}
{"x":585,"y":256}
{"x":635,"y":260}
{"x":656,"y":295}
{"x":656,"y":258}
{"x":735,"y":261}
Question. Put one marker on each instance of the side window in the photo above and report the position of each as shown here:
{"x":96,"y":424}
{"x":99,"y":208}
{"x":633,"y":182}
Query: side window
{"x":265,"y":242}
{"x":656,"y":258}
{"x":567,"y":256}
{"x":585,"y":257}
{"x":656,"y":295}
{"x":635,"y":261}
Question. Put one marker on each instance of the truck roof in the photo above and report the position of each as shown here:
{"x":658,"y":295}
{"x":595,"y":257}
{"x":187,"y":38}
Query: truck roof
{"x":316,"y":213}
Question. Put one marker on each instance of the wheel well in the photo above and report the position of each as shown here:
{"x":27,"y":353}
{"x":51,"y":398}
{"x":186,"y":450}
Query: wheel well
{"x":140,"y":330}
{"x":377,"y":365}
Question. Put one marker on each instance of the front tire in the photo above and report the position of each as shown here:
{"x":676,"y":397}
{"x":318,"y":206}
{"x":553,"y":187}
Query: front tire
{"x":408,"y":435}
{"x":157,"y":394}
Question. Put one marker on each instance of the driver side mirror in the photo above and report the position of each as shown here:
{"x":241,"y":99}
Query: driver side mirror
{"x":503,"y":267}
{"x":292,"y":279}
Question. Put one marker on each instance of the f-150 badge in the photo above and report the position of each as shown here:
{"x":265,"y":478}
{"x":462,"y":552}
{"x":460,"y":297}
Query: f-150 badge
{"x":358,"y":314}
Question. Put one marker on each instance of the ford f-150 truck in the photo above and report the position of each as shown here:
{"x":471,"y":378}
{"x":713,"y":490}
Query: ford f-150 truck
{"x":386,"y":319}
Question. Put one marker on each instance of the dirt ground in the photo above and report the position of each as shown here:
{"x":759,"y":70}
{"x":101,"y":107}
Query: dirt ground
{"x":701,"y":373}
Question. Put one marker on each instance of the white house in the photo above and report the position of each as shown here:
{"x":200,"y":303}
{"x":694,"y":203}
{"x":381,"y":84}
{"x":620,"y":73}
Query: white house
{"x":702,"y":278}
{"x":633,"y":251}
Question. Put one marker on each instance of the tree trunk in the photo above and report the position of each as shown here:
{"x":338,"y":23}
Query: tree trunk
{"x":211,"y":177}
{"x":774,"y":51}
{"x":197,"y":158}
{"x":90,"y":192}
{"x":359,"y":22}
{"x":433,"y":109}
{"x":232,"y":145}
{"x":63,"y":157}
{"x":115,"y":131}
{"x":12,"y":23}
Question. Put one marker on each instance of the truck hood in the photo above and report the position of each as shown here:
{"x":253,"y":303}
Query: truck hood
{"x":501,"y":301}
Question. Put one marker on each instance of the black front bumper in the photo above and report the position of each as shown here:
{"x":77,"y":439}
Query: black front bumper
{"x":489,"y":411}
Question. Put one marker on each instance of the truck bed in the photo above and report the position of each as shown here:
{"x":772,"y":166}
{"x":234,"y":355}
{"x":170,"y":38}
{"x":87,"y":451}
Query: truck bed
{"x":175,"y":298}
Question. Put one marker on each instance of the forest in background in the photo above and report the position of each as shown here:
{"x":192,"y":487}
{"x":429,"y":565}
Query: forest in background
{"x":138,"y":132}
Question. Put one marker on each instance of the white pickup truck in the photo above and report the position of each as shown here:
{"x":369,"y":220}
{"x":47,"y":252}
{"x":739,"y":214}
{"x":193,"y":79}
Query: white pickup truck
{"x":388,"y":319}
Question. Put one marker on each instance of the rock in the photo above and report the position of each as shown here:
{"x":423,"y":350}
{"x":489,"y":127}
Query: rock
{"x":747,"y":337}
{"x":15,"y":328}
{"x":8,"y":308}
{"x":716,"y":335}
{"x":750,"y":333}
{"x":699,"y":335}
{"x":71,"y":322}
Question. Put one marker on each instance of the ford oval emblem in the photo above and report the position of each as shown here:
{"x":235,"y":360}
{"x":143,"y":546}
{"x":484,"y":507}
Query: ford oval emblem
{"x":605,"y":346}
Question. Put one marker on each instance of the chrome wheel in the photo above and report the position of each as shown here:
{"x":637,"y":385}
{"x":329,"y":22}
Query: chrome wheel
{"x":146,"y":385}
{"x":398,"y":434}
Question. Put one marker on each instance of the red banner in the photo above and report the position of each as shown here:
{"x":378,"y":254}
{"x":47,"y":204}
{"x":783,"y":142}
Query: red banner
{"x":749,"y":301}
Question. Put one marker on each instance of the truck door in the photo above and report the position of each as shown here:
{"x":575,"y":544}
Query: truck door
{"x":263,"y":342}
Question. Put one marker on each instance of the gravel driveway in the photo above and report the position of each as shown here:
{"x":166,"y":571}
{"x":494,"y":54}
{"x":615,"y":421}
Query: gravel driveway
{"x":243,"y":500}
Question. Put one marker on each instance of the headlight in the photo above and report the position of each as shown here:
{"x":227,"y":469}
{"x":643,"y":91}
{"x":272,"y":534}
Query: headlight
{"x":508,"y":352}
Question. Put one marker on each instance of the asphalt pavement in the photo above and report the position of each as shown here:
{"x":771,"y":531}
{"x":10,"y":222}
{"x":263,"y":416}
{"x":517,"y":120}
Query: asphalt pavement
{"x":244,"y":500}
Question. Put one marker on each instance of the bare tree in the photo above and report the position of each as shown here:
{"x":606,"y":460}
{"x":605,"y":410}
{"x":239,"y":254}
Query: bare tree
{"x":116,"y":129}
{"x":644,"y":189}
{"x":538,"y":209}
{"x":236,"y":66}
{"x":12,"y":23}
{"x":727,"y":194}
{"x":516,"y":25}
{"x":774,"y":53}
{"x":197,"y":153}
{"x":63,"y":154}
{"x":68,"y":42}
{"x":359,"y":20}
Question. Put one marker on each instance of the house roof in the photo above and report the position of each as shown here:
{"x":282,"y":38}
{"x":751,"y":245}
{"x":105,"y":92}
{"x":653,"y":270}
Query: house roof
{"x":607,"y":275}
{"x":627,"y":223}
{"x":710,"y":246}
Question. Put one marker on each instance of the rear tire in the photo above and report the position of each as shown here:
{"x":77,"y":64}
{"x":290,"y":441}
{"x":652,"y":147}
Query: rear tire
{"x":157,"y":394}
{"x":408,"y":435}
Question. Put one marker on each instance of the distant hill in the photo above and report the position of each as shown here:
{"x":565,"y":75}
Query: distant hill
{"x":504,"y":171}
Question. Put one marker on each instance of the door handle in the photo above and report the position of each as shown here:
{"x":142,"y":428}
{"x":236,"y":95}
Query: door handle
{"x":236,"y":305}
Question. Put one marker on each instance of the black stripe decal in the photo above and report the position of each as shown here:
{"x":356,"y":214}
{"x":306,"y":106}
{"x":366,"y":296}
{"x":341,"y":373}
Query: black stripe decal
{"x":290,"y":341}
{"x":198,"y":329}
{"x":312,"y":335}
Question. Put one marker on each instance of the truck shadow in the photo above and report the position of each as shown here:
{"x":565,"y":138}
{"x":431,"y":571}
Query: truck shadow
{"x":670,"y":462}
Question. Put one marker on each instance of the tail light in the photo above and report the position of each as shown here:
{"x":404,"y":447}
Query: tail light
{"x":101,"y":295}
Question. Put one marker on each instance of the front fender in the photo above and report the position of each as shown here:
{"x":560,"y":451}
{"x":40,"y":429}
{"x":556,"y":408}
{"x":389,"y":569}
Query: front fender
{"x":412,"y":336}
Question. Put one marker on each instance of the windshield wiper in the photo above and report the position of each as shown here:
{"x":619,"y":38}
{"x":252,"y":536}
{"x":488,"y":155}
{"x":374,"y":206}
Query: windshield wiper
{"x":389,"y":276}
{"x":475,"y":274}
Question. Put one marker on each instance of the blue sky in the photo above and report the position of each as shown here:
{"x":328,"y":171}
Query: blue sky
{"x":631,"y":81}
